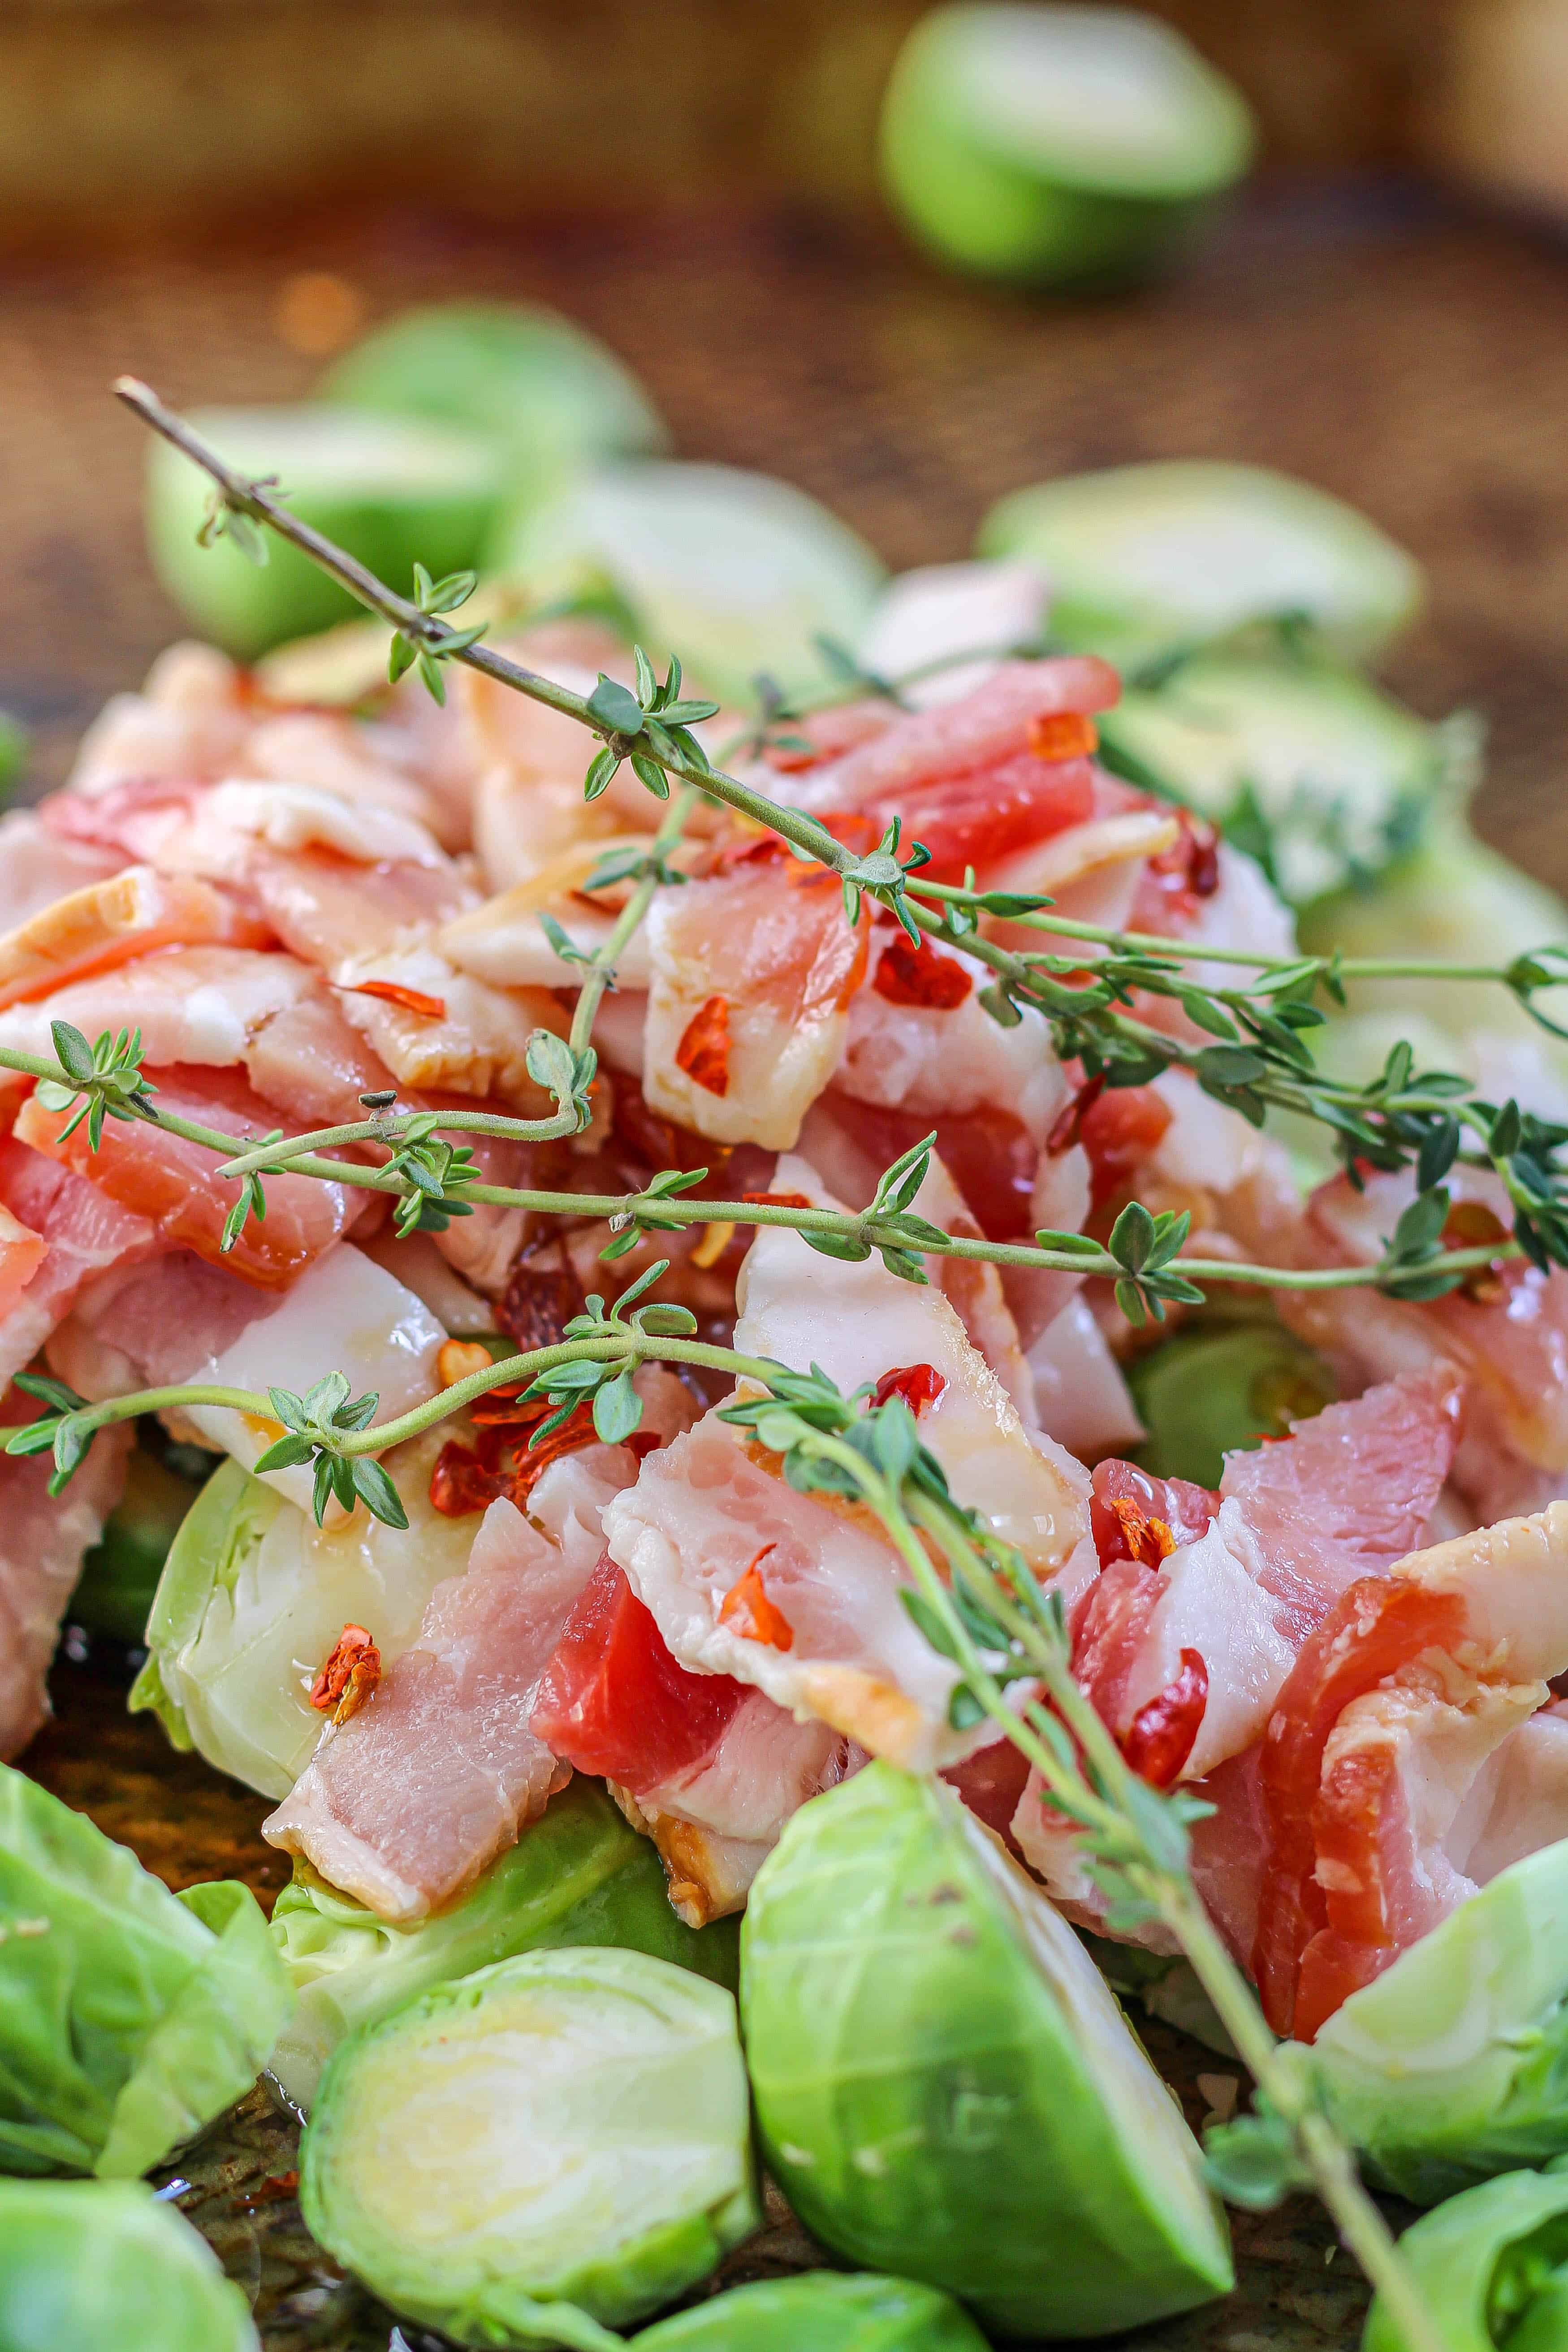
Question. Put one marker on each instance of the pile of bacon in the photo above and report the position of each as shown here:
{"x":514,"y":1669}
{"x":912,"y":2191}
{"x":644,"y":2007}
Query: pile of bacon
{"x":296,"y":905}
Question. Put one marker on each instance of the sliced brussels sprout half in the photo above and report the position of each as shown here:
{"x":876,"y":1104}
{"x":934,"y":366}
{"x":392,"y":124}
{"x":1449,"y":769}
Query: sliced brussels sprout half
{"x":131,"y":2016}
{"x":120,"y":1574}
{"x":734,"y":571}
{"x":393,"y":491}
{"x":104,"y":2266}
{"x":1207,"y":1392}
{"x":1152,"y":561}
{"x":820,"y":2311}
{"x":1057,"y":145}
{"x":1491,"y":2267}
{"x":547,"y":2149}
{"x":945,"y":2086}
{"x":578,"y":1877}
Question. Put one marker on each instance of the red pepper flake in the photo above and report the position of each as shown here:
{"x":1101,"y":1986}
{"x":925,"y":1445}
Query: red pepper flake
{"x":907,"y":975}
{"x":349,"y":1675}
{"x":271,"y":2190}
{"x":392,"y":992}
{"x":746,"y":1608}
{"x":775,"y":1199}
{"x":919,"y":1385}
{"x":1147,"y":1538}
{"x":1062,"y":735}
{"x":501,"y":1462}
{"x":1470,"y":1224}
{"x":1161,"y":1736}
{"x":1067,"y":1126}
{"x":703,"y":1052}
{"x":1191,"y":864}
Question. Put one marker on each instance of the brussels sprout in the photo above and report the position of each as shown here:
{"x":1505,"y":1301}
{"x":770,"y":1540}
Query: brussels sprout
{"x":1453,"y":2064}
{"x":253,"y":1596}
{"x":1154,"y":560}
{"x":392,"y":490}
{"x":1492,"y":2266}
{"x":16,"y":746}
{"x":1207,"y":1391}
{"x":119,"y":1575}
{"x":131,"y":2016}
{"x":1313,"y":771}
{"x":558,"y":2140}
{"x":820,"y":2311}
{"x":1057,"y":145}
{"x":578,"y":1877}
{"x":945,"y":2084}
{"x":552,"y":395}
{"x":103,"y":2266}
{"x":734,"y":571}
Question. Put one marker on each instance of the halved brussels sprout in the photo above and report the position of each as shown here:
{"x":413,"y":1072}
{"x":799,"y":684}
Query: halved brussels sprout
{"x":821,"y":2311}
{"x":1208,"y":1391}
{"x":393,"y":491}
{"x":1059,"y":145}
{"x":578,"y":1877}
{"x":120,"y":1574}
{"x":945,"y":2086}
{"x":128,"y":2017}
{"x":103,"y":2266}
{"x":734,"y":571}
{"x":1152,"y":559}
{"x":556,"y":2142}
{"x":1492,"y":2267}
{"x":1453,"y":2064}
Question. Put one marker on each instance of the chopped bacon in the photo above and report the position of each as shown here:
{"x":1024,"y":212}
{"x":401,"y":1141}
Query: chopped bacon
{"x":1063,"y":735}
{"x":978,"y":818}
{"x":392,"y":992}
{"x":1160,"y":1738}
{"x":747,"y":1608}
{"x":991,"y":1783}
{"x":912,"y":974}
{"x":703,"y":1052}
{"x":1118,"y":1130}
{"x":920,"y":1385}
{"x":349,"y":1675}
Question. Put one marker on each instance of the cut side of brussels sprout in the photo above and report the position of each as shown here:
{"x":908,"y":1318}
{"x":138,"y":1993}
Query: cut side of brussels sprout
{"x":103,"y":2266}
{"x":119,"y":1575}
{"x":1453,"y":2064}
{"x":1206,"y":1392}
{"x":945,"y":2084}
{"x":734,"y":571}
{"x":1054,"y":144}
{"x":821,"y":2311}
{"x":556,"y":2142}
{"x":392,"y":490}
{"x":1149,"y":561}
{"x":1491,"y":2267}
{"x":578,"y":1877}
{"x":1323,"y":778}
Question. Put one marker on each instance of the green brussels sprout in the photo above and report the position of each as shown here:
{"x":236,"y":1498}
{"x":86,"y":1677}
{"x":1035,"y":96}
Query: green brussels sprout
{"x":392,"y":490}
{"x":103,"y":2266}
{"x":1491,"y":2267}
{"x":1151,"y":561}
{"x":131,"y":2016}
{"x":120,"y":1574}
{"x":1059,"y":146}
{"x":550,"y":394}
{"x":945,"y":2086}
{"x":15,"y":748}
{"x":820,"y":2311}
{"x":558,"y":2141}
{"x":1207,"y":1391}
{"x":1453,"y":2064}
{"x":578,"y":1877}
{"x":734,"y":571}
{"x":252,"y":1598}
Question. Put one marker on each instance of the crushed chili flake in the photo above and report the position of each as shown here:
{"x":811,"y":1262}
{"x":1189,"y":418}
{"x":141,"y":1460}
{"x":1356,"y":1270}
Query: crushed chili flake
{"x":1470,"y":1224}
{"x":270,"y":2191}
{"x":1190,"y":867}
{"x":1063,"y":735}
{"x":907,"y":975}
{"x":919,"y":1384}
{"x":392,"y":992}
{"x":502,"y":1461}
{"x":1161,"y":1736}
{"x":747,"y":1609}
{"x":1068,"y":1125}
{"x":1147,"y":1538}
{"x":456,"y":1359}
{"x":703,"y":1052}
{"x":775,"y":1199}
{"x":349,"y":1675}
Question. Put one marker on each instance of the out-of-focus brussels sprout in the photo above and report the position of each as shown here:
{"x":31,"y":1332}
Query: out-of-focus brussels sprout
{"x":556,"y":2142}
{"x":945,"y":2084}
{"x":1323,"y":778}
{"x":734,"y":571}
{"x":393,"y":491}
{"x":131,"y":2016}
{"x":1492,"y":2266}
{"x":120,"y":1574}
{"x":15,"y":744}
{"x":553,"y":396}
{"x":102,"y":2266}
{"x":252,"y":1598}
{"x":1149,"y":561}
{"x":1207,"y":1391}
{"x":1454,"y":2062}
{"x":821,"y":2311}
{"x":1057,"y":145}
{"x":578,"y":1877}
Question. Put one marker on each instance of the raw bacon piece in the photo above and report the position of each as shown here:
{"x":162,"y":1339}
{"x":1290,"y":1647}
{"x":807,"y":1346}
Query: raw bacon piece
{"x":979,"y":818}
{"x":22,"y":1253}
{"x":954,"y":1068}
{"x":477,"y":1043}
{"x":111,"y":923}
{"x":42,"y":1541}
{"x":201,"y":1006}
{"x":36,"y":867}
{"x":85,"y":1233}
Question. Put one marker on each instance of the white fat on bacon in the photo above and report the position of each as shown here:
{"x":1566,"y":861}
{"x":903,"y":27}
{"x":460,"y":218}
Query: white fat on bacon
{"x":188,"y":723}
{"x":36,"y":866}
{"x":505,"y":942}
{"x":113,"y":922}
{"x":85,"y":1236}
{"x":921,"y":1059}
{"x":201,"y":1004}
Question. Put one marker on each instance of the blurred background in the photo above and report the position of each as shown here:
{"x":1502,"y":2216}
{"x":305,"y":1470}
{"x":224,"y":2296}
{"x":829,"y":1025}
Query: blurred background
{"x":224,"y":195}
